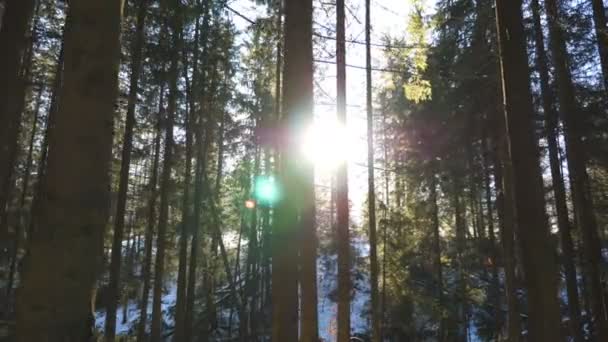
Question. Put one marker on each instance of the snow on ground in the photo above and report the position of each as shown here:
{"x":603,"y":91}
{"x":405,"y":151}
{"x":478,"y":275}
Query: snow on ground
{"x":168,"y":302}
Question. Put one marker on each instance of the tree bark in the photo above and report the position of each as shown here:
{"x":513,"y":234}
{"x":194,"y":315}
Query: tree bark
{"x":187,"y":214}
{"x":343,"y":243}
{"x":121,"y":203}
{"x":371,"y":187}
{"x":174,"y":11}
{"x":297,"y":112}
{"x":574,"y":127}
{"x":309,"y":243}
{"x":537,"y":249}
{"x":559,"y":192}
{"x":437,"y":255}
{"x":75,"y":205}
{"x":147,"y":264}
{"x":507,"y":220}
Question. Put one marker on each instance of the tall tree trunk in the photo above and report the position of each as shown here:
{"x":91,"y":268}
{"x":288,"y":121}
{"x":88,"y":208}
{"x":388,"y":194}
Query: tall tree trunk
{"x":24,"y":189}
{"x":538,"y":252}
{"x":437,"y":255}
{"x":343,"y":243}
{"x":506,"y":217}
{"x":559,"y":192}
{"x":13,"y":39}
{"x":147,"y":264}
{"x":308,"y":252}
{"x":297,"y":112}
{"x":492,"y":248}
{"x":182,"y":294}
{"x":48,"y":128}
{"x":121,"y":203}
{"x":575,"y":150}
{"x":601,"y":33}
{"x":309,"y":243}
{"x":371,"y":187}
{"x":461,"y":324}
{"x":75,"y":205}
{"x":200,"y":167}
{"x":174,"y":11}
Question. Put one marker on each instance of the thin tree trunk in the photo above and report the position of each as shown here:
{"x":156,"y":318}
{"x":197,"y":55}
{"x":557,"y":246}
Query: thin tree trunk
{"x":533,"y":232}
{"x":174,"y":11}
{"x":506,"y":218}
{"x":309,"y":243}
{"x":575,"y":151}
{"x":343,"y":243}
{"x":13,"y":39}
{"x":493,"y":253}
{"x":601,"y":33}
{"x":187,"y":215}
{"x":461,"y":229}
{"x":147,"y":267}
{"x":77,"y":173}
{"x":371,"y":187}
{"x":24,"y":190}
{"x":200,"y":167}
{"x":49,"y":123}
{"x":121,"y":203}
{"x":559,"y":192}
{"x":437,"y":255}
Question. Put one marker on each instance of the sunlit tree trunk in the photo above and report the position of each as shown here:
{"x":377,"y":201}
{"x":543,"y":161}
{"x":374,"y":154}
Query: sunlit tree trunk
{"x":121,"y":203}
{"x":343,"y":240}
{"x":297,"y":112}
{"x":537,"y":249}
{"x":67,"y":246}
{"x":371,"y":187}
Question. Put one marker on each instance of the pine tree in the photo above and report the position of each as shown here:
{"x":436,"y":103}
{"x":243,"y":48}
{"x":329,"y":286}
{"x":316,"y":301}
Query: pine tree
{"x":533,"y":233}
{"x":119,"y":217}
{"x":74,"y":208}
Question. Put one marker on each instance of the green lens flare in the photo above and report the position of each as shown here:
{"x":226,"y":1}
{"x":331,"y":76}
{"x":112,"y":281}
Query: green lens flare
{"x":267,"y":191}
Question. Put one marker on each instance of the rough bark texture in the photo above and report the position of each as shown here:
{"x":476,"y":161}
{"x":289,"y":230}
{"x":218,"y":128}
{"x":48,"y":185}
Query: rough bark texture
{"x":66,"y":249}
{"x":123,"y":186}
{"x":575,"y":150}
{"x":538,"y":252}
{"x":559,"y":192}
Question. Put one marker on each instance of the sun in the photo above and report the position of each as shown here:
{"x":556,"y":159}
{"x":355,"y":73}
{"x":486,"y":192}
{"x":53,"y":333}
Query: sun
{"x":327,"y":143}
